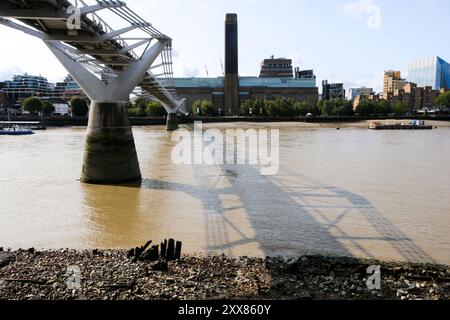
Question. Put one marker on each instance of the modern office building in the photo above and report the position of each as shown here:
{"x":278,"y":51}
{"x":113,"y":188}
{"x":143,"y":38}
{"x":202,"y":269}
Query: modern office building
{"x":332,"y":90}
{"x":66,"y":89}
{"x":356,"y":92}
{"x":231,"y":65}
{"x":276,"y":68}
{"x":430,"y":72}
{"x":24,"y":86}
{"x":392,"y":81}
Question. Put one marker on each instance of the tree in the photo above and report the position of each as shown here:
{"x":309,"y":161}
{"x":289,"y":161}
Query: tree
{"x":207,"y":108}
{"x":314,"y":110}
{"x":382,"y":107}
{"x":365,"y":108}
{"x":282,"y":107}
{"x":248,"y":107}
{"x":399,"y":109}
{"x":32,"y":105}
{"x":197,"y":107}
{"x":155,"y":109}
{"x":140,"y":104}
{"x":303,"y":108}
{"x":48,"y":108}
{"x":443,"y":100}
{"x":342,"y":107}
{"x":79,"y":107}
{"x":260,"y":107}
{"x":134,"y":112}
{"x":326,"y":107}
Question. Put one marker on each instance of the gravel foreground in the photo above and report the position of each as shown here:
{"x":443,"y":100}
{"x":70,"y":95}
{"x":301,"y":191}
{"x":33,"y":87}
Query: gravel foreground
{"x":110,"y":275}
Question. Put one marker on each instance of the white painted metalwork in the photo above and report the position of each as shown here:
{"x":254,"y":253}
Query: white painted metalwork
{"x":99,"y":57}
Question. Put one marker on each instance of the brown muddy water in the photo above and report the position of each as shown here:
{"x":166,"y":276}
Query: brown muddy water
{"x":349,"y":192}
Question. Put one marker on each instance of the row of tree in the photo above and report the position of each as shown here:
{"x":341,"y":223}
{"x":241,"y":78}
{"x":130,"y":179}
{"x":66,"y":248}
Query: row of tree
{"x":203,"y":108}
{"x":282,"y":107}
{"x":278,"y":107}
{"x":381,"y":107}
{"x":79,"y":106}
{"x":143,"y":108}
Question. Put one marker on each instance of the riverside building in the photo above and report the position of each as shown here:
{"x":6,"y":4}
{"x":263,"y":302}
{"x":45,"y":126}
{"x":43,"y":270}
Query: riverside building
{"x":431,"y":72}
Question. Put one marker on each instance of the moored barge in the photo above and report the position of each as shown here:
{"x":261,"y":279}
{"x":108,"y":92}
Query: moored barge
{"x":391,"y":125}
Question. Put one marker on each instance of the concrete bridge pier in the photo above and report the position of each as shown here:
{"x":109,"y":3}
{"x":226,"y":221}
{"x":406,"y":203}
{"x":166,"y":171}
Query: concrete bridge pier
{"x":109,"y":153}
{"x":172,"y":122}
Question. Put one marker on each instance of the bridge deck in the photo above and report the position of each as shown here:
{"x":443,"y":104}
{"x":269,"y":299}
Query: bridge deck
{"x":99,"y":48}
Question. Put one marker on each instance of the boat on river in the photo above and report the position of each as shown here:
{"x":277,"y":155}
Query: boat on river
{"x":394,"y":125}
{"x":10,"y":128}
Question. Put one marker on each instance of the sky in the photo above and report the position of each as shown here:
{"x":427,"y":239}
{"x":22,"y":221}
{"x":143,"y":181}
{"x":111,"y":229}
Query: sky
{"x":350,"y":41}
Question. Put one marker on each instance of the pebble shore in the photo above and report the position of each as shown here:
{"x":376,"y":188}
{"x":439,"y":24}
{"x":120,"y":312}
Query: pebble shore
{"x":110,"y":275}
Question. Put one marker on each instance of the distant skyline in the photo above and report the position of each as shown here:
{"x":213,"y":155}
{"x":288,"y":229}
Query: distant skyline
{"x":350,"y":41}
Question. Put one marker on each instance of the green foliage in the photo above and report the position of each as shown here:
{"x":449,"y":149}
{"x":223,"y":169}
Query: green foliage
{"x":303,"y":108}
{"x":197,"y":107}
{"x":134,"y":112}
{"x":277,"y":107}
{"x":207,"y":108}
{"x":247,"y":107}
{"x":155,"y":109}
{"x":399,"y":109}
{"x":282,"y":107}
{"x":140,"y":104}
{"x":443,"y":100}
{"x":382,"y":107}
{"x":372,"y":107}
{"x":203,"y":108}
{"x":152,"y":109}
{"x":253,"y":107}
{"x":335,"y":107}
{"x":48,"y":108}
{"x":79,"y":107}
{"x":32,"y":105}
{"x":326,"y":108}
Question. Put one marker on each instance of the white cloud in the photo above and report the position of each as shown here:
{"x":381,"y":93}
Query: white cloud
{"x":186,"y":70}
{"x":365,"y":9}
{"x":358,"y":9}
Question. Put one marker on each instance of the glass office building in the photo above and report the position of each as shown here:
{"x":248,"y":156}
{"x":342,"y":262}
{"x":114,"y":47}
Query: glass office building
{"x":433,"y":72}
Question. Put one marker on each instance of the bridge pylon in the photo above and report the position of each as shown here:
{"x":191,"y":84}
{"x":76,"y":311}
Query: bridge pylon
{"x":109,"y":154}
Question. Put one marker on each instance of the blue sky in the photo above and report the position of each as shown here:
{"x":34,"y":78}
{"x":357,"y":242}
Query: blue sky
{"x":342,"y":40}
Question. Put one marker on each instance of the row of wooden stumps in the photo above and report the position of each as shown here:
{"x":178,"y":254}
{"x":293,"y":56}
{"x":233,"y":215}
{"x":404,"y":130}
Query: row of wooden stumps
{"x":170,"y":250}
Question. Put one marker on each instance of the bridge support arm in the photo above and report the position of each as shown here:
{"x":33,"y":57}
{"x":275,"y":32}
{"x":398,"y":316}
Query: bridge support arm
{"x":23,"y":13}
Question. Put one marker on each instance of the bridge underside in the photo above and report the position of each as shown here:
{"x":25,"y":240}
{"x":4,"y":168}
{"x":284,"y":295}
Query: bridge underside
{"x":108,"y":65}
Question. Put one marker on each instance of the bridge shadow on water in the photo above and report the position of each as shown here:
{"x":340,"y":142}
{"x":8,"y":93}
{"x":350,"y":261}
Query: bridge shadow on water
{"x":289,"y":214}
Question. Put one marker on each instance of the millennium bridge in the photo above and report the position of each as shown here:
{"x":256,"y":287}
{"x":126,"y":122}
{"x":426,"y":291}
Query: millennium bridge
{"x":108,"y":64}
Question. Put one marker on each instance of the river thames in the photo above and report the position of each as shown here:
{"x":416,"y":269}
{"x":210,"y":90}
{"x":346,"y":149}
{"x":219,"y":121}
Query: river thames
{"x":352,"y":192}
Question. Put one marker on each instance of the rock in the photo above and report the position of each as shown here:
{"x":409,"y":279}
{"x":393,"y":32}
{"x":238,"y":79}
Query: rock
{"x":6,"y":258}
{"x":160,"y":265}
